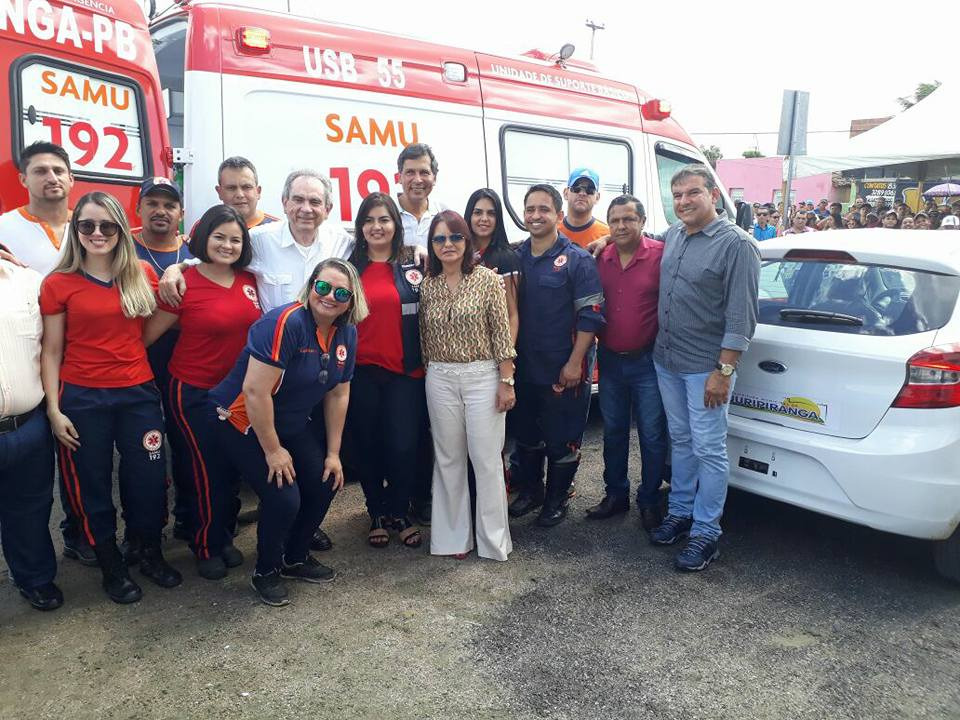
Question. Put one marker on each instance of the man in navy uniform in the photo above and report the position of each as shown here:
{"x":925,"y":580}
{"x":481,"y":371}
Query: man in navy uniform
{"x":560,"y":302}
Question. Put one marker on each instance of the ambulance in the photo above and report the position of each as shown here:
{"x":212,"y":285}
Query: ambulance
{"x":289,"y":92}
{"x":82,"y":73}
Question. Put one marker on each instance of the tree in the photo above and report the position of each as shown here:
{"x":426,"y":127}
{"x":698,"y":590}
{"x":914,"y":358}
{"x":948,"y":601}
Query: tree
{"x":712,"y":154}
{"x":753,"y":153}
{"x":922,"y":91}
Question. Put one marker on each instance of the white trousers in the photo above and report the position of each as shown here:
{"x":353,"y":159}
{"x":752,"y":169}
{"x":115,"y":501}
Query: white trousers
{"x":462,"y":401}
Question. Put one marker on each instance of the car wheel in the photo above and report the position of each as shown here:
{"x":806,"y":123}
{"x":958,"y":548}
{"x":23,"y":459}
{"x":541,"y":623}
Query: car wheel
{"x":946,"y":556}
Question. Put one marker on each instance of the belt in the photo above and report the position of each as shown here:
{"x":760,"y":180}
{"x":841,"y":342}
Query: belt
{"x":9,"y":424}
{"x":632,"y":353}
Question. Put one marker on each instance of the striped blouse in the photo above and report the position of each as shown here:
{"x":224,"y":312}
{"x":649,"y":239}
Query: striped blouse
{"x":467,"y":325}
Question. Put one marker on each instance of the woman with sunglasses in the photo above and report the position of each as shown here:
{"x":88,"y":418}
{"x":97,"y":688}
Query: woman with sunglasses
{"x":100,"y":391}
{"x":296,"y":357}
{"x":469,"y":353}
{"x":387,"y":409}
{"x":214,"y":318}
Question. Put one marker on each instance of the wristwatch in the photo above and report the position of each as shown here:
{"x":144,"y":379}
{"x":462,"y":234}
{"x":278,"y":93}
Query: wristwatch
{"x":726,"y":369}
{"x":508,"y":380}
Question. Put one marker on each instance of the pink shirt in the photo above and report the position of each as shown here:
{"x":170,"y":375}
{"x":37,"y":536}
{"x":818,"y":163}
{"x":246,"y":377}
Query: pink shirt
{"x":630,"y":297}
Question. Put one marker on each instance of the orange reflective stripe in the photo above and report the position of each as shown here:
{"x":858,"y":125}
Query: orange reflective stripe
{"x":278,"y":331}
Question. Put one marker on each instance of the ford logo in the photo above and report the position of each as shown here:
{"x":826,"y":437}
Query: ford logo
{"x":772,"y":366}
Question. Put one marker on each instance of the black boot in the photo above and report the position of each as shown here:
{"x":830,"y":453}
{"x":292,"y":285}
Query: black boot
{"x":156,"y":568}
{"x":116,"y":580}
{"x":528,"y":480}
{"x":559,"y":477}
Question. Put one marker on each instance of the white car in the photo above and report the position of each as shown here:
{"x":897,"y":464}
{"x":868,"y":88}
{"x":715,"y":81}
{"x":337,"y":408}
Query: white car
{"x":848,"y":400}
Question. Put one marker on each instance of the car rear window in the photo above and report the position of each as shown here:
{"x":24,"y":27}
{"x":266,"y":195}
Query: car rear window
{"x":855,"y":298}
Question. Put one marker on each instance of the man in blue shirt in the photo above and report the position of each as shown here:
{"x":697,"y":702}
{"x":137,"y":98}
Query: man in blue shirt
{"x":560,"y":303}
{"x":763,"y":230}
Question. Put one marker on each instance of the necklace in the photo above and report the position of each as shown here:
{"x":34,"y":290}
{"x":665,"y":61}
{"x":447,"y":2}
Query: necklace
{"x":158,"y":266}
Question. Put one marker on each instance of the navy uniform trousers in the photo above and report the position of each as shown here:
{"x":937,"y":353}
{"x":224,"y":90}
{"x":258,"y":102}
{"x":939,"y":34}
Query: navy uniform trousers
{"x":26,"y":496}
{"x":289,"y":515}
{"x":131,"y":419}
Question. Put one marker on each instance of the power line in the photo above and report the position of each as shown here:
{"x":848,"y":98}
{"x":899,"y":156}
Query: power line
{"x":767,"y":132}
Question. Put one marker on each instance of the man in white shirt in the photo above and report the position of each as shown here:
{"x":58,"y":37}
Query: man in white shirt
{"x":34,"y":233}
{"x":418,"y":175}
{"x":26,"y":445}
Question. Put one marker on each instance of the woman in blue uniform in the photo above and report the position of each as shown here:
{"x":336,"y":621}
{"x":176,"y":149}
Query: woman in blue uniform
{"x":296,"y":357}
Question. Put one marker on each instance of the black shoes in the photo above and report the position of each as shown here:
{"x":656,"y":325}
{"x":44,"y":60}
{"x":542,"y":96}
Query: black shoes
{"x":116,"y":578}
{"x":153,"y":566}
{"x":651,"y":518}
{"x":80,"y":551}
{"x":525,"y":502}
{"x":608,"y":507}
{"x":310,"y":570}
{"x":46,"y":597}
{"x":559,"y":478}
{"x":699,"y":552}
{"x":321,"y":542}
{"x":212,"y":568}
{"x":270,"y":589}
{"x":232,"y":557}
{"x":670,"y":530}
{"x":249,"y":516}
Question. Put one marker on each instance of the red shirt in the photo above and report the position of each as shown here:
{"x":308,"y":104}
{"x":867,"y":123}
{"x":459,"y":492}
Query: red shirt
{"x":214,"y":321}
{"x":378,"y":337}
{"x":630,"y":296}
{"x":102,"y":348}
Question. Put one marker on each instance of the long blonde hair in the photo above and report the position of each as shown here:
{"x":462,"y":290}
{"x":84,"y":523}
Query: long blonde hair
{"x":136,"y":295}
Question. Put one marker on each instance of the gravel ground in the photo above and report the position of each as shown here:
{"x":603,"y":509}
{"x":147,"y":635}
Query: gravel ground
{"x":801,"y":617}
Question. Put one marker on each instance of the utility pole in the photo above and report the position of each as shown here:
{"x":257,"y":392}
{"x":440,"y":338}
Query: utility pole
{"x":593,"y":31}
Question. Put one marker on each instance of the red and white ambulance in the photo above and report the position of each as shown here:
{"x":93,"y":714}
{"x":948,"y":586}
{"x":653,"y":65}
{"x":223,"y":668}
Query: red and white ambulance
{"x":290,"y":92}
{"x":82,"y":74}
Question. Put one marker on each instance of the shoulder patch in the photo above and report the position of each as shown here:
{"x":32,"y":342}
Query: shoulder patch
{"x":414,"y":276}
{"x":560,"y":261}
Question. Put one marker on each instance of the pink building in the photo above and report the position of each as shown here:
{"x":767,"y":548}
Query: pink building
{"x":761,"y":180}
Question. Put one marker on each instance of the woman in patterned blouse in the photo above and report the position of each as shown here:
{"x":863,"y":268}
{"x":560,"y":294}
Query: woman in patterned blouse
{"x":465,"y":335}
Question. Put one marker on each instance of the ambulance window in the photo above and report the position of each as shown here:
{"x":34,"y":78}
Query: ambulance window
{"x":535,"y":156}
{"x":169,"y":46}
{"x":97,"y":117}
{"x":670,"y":159}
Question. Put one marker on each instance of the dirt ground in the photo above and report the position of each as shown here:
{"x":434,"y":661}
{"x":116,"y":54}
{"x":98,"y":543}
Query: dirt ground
{"x":801,"y":617}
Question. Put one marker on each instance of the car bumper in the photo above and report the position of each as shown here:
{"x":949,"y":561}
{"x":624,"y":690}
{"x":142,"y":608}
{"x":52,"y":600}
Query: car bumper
{"x":902,"y":478}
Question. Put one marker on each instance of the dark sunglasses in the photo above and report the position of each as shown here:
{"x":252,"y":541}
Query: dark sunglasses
{"x":441,"y":240}
{"x":324,"y":374}
{"x":582,"y":190}
{"x":107,"y":228}
{"x":340,"y":294}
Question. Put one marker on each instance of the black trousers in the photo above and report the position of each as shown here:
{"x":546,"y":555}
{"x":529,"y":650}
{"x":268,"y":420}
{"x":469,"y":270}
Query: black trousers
{"x":386,"y":420}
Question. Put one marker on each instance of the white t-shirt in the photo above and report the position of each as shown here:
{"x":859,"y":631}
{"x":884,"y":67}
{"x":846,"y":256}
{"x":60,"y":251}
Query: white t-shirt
{"x":415,"y":231}
{"x":31,"y":240}
{"x":282,"y":266}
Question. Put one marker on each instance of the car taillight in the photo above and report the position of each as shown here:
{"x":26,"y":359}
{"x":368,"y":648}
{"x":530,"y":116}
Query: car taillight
{"x":933,"y":379}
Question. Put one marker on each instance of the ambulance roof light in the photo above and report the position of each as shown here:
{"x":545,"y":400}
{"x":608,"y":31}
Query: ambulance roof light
{"x":253,"y":40}
{"x":655,"y":109}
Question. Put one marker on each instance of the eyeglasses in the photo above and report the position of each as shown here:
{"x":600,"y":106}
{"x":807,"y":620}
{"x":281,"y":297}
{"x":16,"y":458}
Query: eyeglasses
{"x":323,"y":375}
{"x":441,"y":240}
{"x":582,"y":190}
{"x":107,"y":228}
{"x":763,"y":214}
{"x":340,"y":294}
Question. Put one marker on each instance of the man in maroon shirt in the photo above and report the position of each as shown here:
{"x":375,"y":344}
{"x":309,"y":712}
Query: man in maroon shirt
{"x":630,"y":274}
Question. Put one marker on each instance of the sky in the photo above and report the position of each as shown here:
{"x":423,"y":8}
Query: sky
{"x":723,"y":72}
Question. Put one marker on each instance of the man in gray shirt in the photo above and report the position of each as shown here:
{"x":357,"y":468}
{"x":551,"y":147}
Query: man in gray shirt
{"x":707,"y":314}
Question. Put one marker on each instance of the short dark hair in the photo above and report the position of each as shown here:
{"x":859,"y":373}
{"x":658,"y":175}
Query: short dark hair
{"x":626,"y":199}
{"x":417,"y":150}
{"x":212,"y":219}
{"x":41,"y":147}
{"x":237,"y":162}
{"x":359,"y":256}
{"x":455,"y":222}
{"x":695,"y":170}
{"x":549,"y":190}
{"x":499,"y":239}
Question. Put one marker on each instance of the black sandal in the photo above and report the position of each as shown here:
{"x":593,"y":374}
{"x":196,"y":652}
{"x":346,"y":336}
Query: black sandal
{"x":408,"y":533}
{"x":378,"y":537}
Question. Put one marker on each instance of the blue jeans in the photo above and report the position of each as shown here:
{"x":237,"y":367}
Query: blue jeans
{"x":629,"y":391}
{"x":699,"y":449}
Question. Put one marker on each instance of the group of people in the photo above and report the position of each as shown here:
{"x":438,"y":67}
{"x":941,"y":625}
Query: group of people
{"x":830,"y":216}
{"x":289,"y":354}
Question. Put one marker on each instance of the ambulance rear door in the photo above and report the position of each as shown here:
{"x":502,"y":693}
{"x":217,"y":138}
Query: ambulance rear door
{"x":86,"y":80}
